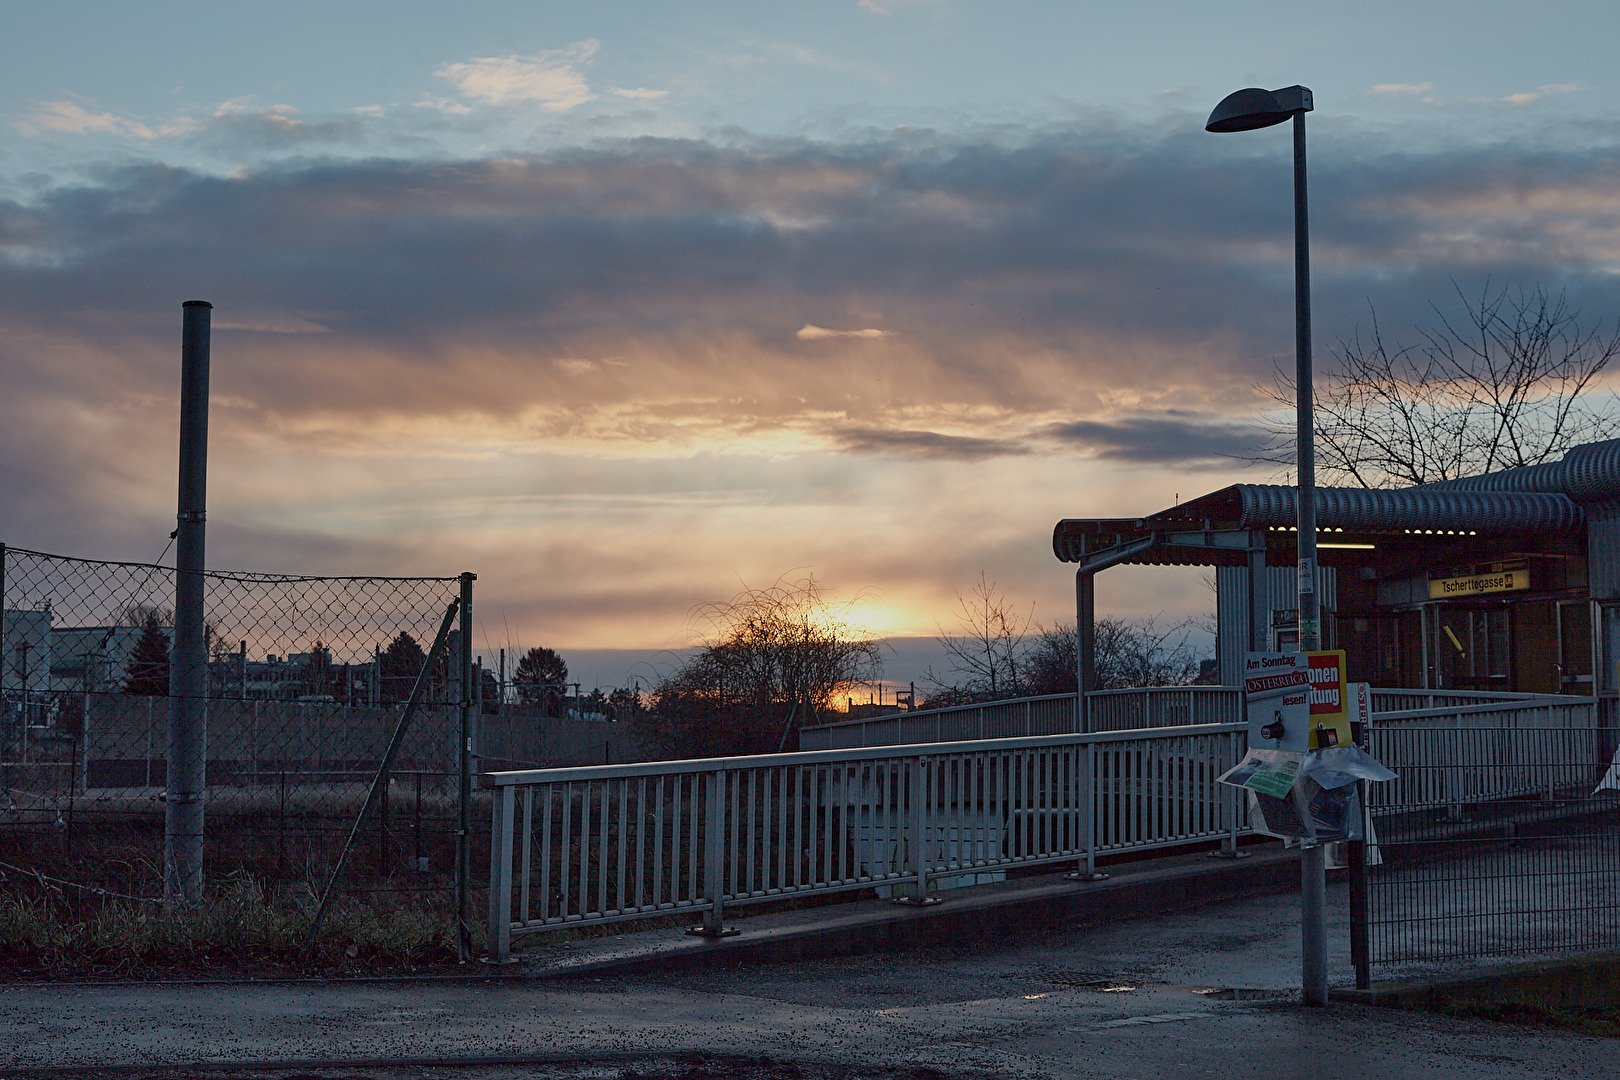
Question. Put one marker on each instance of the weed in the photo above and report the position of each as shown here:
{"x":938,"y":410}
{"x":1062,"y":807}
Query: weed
{"x":241,"y":929}
{"x":1585,"y":1019}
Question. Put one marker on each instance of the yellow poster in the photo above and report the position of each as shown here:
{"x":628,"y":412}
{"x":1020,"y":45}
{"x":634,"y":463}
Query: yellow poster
{"x":1330,"y":703}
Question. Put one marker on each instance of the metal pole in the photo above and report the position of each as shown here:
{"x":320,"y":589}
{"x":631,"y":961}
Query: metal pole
{"x":1085,"y":652}
{"x":1312,"y":861}
{"x":188,"y":670}
{"x":464,"y":808}
{"x":1360,"y":957}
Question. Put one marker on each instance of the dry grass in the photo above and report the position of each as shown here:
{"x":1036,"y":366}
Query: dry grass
{"x":1599,"y":1020}
{"x":241,"y":931}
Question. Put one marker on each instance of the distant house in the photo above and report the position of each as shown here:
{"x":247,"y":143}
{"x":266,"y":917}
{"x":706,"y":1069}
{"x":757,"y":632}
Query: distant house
{"x":40,"y":658}
{"x":94,"y":658}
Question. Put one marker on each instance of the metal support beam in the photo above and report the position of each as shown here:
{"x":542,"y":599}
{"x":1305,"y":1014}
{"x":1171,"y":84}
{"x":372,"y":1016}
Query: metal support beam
{"x":1085,"y":655}
{"x":1259,"y":597}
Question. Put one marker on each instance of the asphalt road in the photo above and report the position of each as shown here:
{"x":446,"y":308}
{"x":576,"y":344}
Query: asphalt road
{"x":1128,"y":999}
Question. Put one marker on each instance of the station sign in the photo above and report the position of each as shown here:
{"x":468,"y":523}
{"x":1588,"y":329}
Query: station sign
{"x":1475,"y":584}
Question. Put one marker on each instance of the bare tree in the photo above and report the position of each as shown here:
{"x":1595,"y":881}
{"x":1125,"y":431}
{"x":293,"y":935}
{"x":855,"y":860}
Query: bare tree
{"x":776,"y":659}
{"x":987,"y":654}
{"x":1511,"y":383}
{"x":1129,"y":652}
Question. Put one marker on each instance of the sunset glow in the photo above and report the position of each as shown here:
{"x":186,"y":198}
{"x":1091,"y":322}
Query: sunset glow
{"x":625,"y":315}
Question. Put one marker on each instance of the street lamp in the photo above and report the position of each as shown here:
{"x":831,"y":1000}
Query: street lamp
{"x":1246,"y":110}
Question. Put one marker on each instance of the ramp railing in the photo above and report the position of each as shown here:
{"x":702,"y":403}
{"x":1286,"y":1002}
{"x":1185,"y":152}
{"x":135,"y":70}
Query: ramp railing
{"x":607,"y":843}
{"x":1515,"y":749}
{"x":1050,"y":714}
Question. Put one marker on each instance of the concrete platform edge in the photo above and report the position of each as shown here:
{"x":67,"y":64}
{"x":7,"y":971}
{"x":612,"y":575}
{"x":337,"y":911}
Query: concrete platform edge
{"x":976,"y":915}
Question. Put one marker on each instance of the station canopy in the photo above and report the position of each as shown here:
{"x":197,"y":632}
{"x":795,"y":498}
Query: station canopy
{"x":1219,"y":528}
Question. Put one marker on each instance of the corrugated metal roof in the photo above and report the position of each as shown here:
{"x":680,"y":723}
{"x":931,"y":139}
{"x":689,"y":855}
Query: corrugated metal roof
{"x":1543,"y":498}
{"x":1271,"y":506}
{"x":1587,"y":473}
{"x":1488,"y":513}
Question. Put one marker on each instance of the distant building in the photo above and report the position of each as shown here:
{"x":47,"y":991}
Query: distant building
{"x":94,"y":658}
{"x":26,"y":639}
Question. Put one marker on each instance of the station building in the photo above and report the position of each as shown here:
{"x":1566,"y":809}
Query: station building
{"x":1507,"y":581}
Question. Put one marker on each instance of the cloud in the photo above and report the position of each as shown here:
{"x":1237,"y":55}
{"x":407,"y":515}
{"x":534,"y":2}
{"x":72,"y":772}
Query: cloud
{"x":444,"y":105}
{"x":1425,"y":93}
{"x":574,"y":373}
{"x":808,"y":332}
{"x":926,"y":444}
{"x":554,"y":80}
{"x":240,"y":125}
{"x":1530,"y":96}
{"x":887,"y":7}
{"x":1169,"y":438}
{"x":1399,"y":89}
{"x":71,"y":118}
{"x":639,"y":93}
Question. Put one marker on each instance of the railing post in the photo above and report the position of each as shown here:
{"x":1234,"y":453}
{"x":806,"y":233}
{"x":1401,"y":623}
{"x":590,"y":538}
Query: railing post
{"x":500,"y":875}
{"x":917,"y":830}
{"x":919,"y":823}
{"x":1231,"y":810}
{"x":714,"y":859}
{"x":1088,"y":815}
{"x":714,"y":852}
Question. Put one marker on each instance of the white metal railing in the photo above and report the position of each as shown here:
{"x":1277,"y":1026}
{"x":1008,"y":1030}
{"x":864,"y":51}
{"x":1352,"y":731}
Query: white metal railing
{"x":1163,"y":706}
{"x":1397,"y":699}
{"x":614,"y":842}
{"x":1109,"y":710}
{"x":1052,"y":714}
{"x":1532,"y":746}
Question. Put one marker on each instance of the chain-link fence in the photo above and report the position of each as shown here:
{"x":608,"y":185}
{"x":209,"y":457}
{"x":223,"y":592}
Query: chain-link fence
{"x":1491,"y":842}
{"x":306,"y":682}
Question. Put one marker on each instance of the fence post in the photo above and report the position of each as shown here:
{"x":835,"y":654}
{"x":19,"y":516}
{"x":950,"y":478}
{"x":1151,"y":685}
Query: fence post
{"x":500,"y":875}
{"x":1360,"y":956}
{"x":464,"y":802}
{"x":714,"y":860}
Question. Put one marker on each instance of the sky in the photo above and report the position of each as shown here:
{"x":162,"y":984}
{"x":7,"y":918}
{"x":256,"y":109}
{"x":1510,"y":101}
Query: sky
{"x":628,"y":306}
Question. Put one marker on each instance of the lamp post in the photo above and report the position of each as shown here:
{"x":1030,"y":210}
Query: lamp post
{"x":1246,"y":110}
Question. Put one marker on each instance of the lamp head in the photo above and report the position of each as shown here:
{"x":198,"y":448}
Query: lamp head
{"x":1245,"y":110}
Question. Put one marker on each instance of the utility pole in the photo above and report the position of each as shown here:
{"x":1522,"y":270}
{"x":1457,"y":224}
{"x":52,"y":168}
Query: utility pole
{"x":188,"y":671}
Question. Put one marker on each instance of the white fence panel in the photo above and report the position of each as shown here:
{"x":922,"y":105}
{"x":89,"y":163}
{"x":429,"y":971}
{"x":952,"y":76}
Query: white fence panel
{"x":620,"y":842}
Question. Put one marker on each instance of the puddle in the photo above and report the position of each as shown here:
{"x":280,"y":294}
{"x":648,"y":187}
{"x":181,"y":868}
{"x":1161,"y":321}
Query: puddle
{"x":1076,"y":980}
{"x":1228,"y":993}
